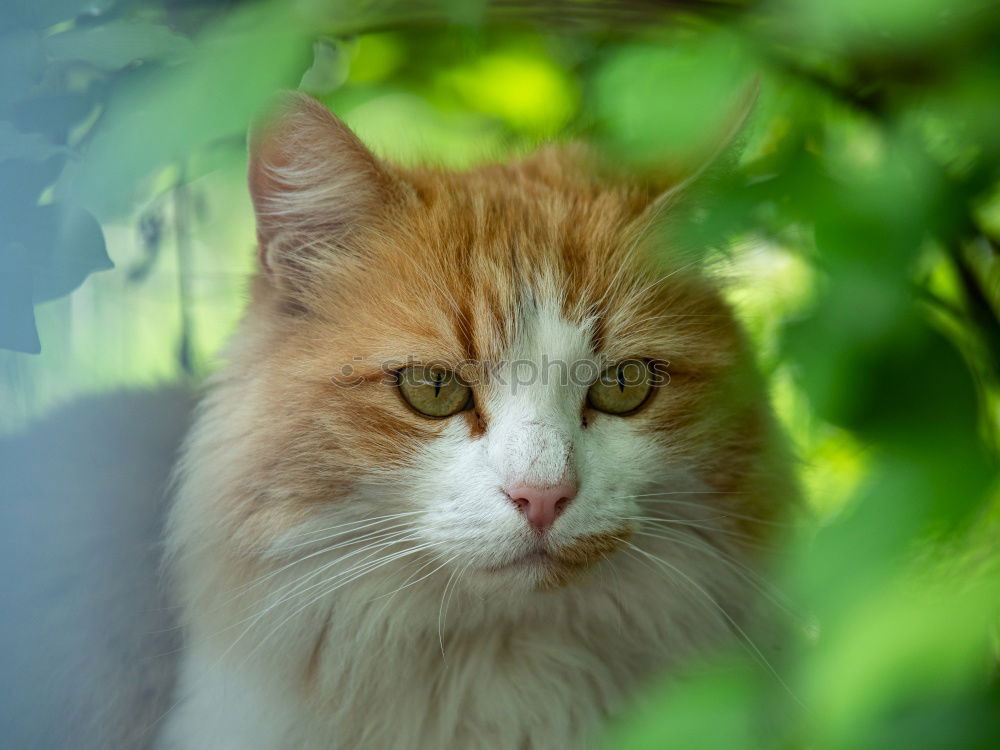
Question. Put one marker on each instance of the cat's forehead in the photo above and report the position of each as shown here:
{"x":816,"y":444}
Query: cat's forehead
{"x":546,"y":213}
{"x":480,"y":266}
{"x":480,"y":258}
{"x":484,"y":311}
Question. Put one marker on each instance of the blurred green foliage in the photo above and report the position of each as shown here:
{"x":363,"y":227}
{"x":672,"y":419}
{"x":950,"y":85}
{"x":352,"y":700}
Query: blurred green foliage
{"x":859,"y":230}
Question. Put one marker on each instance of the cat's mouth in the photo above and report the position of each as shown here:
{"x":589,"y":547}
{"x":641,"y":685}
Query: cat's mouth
{"x":559,"y":565}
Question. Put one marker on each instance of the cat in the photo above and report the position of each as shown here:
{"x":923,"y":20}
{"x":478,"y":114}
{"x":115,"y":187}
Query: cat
{"x":397,"y":524}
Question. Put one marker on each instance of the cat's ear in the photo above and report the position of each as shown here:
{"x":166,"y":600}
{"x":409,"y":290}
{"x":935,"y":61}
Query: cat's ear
{"x":313,"y":184}
{"x":718,"y":144}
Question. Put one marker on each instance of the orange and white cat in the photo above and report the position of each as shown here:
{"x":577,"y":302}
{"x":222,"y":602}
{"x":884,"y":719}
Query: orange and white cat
{"x":484,"y":458}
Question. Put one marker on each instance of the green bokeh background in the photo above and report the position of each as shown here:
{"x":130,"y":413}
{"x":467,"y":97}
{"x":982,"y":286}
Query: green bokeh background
{"x":857,"y":228}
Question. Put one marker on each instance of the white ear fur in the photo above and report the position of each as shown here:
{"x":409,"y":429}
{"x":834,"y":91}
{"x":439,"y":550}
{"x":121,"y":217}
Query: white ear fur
{"x":312,"y":181}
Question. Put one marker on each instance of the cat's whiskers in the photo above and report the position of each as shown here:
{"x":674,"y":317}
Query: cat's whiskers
{"x":371,"y":521}
{"x":440,"y":629}
{"x":680,"y":492}
{"x":673,"y":316}
{"x":660,"y":497}
{"x":353,"y":576}
{"x":636,"y":331}
{"x":286,"y":591}
{"x":745,"y":638}
{"x":667,"y":529}
{"x":610,"y":566}
{"x":695,"y":524}
{"x":641,"y":233}
{"x":279,"y":591}
{"x":445,"y":602}
{"x":410,"y":582}
{"x":597,"y":307}
{"x":637,"y":298}
{"x":764,"y":587}
{"x":297,"y":589}
{"x":370,"y":549}
{"x":722,"y":512}
{"x":371,"y":536}
{"x":217,"y":662}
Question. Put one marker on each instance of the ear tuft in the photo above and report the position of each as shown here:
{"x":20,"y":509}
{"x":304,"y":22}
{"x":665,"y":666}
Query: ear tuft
{"x":722,"y":141}
{"x":312,"y":182}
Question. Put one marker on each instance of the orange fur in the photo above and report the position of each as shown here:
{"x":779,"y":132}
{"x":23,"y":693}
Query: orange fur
{"x":365,"y":264}
{"x":447,"y":257}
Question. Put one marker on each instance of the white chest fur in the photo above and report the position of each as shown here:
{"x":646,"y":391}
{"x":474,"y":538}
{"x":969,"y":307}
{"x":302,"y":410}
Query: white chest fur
{"x":358,"y":673}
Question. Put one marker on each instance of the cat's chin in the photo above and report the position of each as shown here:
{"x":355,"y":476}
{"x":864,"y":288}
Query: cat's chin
{"x":535,"y":560}
{"x":525,"y":572}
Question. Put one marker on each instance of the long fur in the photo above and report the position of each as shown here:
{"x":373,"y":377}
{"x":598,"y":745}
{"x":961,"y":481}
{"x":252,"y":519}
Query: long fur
{"x":347,"y":570}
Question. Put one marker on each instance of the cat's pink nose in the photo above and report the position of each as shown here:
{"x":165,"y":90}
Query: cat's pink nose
{"x":542,"y":505}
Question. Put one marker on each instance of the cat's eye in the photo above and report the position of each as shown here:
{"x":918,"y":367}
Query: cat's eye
{"x":434,"y":391}
{"x":622,"y":388}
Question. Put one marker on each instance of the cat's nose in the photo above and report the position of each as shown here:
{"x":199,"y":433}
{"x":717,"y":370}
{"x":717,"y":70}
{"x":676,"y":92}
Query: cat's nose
{"x":542,"y":505}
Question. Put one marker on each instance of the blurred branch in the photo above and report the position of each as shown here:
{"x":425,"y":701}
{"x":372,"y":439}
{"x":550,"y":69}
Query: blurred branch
{"x":561,"y":15}
{"x":980,"y":309}
{"x":182,"y":239}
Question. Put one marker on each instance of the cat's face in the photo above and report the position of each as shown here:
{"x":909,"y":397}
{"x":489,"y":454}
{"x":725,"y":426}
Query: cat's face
{"x":494,"y":374}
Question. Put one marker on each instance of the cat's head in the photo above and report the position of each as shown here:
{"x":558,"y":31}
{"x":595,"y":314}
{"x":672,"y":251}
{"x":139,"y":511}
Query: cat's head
{"x":506,"y":373}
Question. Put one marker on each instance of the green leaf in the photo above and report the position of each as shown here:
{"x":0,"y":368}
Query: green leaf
{"x":17,"y":145}
{"x":114,"y":45}
{"x":22,"y":62}
{"x":662,"y":106}
{"x":21,"y":183}
{"x":69,"y":246}
{"x":47,"y":253}
{"x":52,"y":114}
{"x":40,"y":14}
{"x":159,"y":117}
{"x":711,"y":710}
{"x":331,"y":65}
